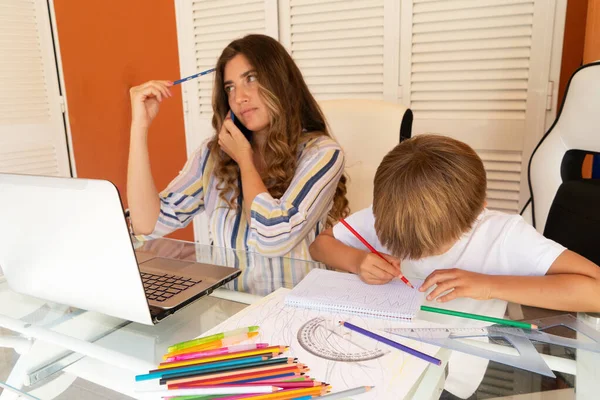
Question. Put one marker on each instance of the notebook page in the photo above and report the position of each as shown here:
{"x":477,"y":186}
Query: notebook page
{"x":342,"y":292}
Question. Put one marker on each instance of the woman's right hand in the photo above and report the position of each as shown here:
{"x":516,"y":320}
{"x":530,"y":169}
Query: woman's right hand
{"x":145,"y":100}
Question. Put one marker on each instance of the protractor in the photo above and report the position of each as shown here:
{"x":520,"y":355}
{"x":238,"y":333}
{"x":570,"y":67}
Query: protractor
{"x":323,"y":339}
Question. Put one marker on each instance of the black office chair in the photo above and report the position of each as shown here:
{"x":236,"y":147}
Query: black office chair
{"x":564,"y":170}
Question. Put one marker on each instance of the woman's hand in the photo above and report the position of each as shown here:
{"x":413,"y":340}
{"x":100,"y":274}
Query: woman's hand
{"x":145,"y":100}
{"x":234,"y":143}
{"x":461,"y":283}
{"x":375,"y":271}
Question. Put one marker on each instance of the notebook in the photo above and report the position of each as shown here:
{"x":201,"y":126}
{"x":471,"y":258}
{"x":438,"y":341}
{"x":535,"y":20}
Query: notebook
{"x":345,"y":293}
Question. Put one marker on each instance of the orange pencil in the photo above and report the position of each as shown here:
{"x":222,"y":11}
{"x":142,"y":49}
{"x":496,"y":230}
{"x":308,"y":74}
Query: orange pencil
{"x":238,"y":373}
{"x":291,"y":375}
{"x":266,"y":350}
{"x":237,"y":378}
{"x":372,"y":249}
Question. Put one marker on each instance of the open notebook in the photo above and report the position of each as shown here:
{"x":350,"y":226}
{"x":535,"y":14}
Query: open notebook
{"x":346,"y":293}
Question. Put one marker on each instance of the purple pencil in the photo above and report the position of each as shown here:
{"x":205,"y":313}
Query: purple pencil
{"x":416,"y":353}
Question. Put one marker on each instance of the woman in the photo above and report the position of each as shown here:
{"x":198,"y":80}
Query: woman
{"x":271,"y":195}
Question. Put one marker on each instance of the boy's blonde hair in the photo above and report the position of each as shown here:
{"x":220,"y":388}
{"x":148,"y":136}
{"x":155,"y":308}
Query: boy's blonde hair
{"x":428,"y":191}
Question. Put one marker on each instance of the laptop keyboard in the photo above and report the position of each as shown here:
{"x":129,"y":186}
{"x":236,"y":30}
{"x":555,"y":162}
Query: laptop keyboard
{"x":162,"y":287}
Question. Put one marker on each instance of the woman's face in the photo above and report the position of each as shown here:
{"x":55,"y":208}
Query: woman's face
{"x":241,"y":87}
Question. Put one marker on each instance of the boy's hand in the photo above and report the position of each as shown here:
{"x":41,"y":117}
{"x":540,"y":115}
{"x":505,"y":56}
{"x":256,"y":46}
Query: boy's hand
{"x":374,"y":271}
{"x":462,"y":283}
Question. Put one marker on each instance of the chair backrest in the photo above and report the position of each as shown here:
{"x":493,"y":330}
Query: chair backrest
{"x":577,"y":126}
{"x":367,"y":130}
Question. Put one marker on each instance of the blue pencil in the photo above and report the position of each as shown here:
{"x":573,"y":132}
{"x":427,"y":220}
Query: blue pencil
{"x":178,"y":81}
{"x":416,"y":353}
{"x":193,"y":368}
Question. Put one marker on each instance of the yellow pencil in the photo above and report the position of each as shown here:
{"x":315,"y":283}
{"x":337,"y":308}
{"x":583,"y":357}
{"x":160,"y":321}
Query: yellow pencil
{"x":266,"y":350}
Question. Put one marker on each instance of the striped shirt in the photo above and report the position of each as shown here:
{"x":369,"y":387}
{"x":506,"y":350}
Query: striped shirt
{"x":278,"y":227}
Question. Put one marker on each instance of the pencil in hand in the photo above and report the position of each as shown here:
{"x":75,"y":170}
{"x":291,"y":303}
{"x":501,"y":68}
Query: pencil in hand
{"x":372,"y":249}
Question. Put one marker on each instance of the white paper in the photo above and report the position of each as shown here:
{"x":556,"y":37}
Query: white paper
{"x":393,"y":374}
{"x":342,"y":292}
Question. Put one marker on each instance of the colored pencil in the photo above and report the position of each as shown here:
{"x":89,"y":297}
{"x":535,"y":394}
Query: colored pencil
{"x":154,"y":374}
{"x":347,"y":393}
{"x":246,"y":378}
{"x":501,"y":321}
{"x":216,"y":344}
{"x":291,"y":375}
{"x":212,"y":391}
{"x":284,"y":394}
{"x":266,"y":350}
{"x":416,"y":353}
{"x":236,"y":361}
{"x":248,"y":374}
{"x":216,"y":336}
{"x":371,"y":248}
{"x":208,"y":71}
{"x":189,"y":374}
{"x":217,"y":352}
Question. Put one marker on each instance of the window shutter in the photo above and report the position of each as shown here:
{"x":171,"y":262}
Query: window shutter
{"x":32,"y":134}
{"x":471,"y":69}
{"x":338,"y":46}
{"x":215,"y":24}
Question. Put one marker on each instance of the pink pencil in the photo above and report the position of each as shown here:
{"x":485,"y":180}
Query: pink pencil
{"x":217,"y":352}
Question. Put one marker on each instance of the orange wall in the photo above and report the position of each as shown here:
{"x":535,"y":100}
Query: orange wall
{"x":573,"y":41}
{"x":592,"y":33}
{"x":106,"y":47}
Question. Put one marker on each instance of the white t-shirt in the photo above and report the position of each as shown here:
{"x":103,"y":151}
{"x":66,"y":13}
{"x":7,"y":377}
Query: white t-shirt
{"x":498,"y":244}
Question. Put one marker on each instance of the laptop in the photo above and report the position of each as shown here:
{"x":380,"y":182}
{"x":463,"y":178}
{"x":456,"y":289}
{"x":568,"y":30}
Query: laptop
{"x":66,"y":240}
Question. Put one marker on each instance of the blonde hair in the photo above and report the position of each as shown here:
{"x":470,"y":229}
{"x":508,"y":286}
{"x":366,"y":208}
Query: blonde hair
{"x":295,"y":118}
{"x":428,"y":191}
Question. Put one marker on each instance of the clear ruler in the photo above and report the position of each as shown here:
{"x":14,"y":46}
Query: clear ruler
{"x":527,"y":358}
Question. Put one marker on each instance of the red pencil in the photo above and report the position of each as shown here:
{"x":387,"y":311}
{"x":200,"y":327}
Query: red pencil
{"x":351,"y":229}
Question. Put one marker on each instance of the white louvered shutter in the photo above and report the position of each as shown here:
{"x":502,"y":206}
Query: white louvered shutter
{"x":32,"y":132}
{"x":477,"y":70}
{"x":338,"y":46}
{"x":204,"y":28}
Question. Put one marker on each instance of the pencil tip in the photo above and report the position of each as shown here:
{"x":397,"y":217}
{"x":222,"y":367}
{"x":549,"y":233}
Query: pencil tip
{"x":533,"y":326}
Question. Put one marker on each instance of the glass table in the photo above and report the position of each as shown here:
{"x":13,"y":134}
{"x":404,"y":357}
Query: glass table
{"x":53,"y":351}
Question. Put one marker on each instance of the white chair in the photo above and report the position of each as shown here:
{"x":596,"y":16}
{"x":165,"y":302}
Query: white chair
{"x":577,"y":126}
{"x":367,"y":130}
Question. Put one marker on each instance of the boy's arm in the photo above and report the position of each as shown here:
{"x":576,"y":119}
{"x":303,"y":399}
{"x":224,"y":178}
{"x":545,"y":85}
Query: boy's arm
{"x":572,"y":283}
{"x":335,"y":254}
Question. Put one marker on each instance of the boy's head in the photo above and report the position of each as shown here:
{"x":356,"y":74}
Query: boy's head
{"x":428,"y":191}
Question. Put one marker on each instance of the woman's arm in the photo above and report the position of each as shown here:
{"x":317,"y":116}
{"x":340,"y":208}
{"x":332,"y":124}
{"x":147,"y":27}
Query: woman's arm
{"x":278,"y":225}
{"x":142,"y":196}
{"x":153,"y":214}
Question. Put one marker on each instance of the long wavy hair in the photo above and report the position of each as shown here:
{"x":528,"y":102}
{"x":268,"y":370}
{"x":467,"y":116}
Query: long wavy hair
{"x":295,"y":118}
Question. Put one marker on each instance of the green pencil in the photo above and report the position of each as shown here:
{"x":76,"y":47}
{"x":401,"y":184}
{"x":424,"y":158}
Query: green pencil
{"x":206,"y":339}
{"x":501,"y":321}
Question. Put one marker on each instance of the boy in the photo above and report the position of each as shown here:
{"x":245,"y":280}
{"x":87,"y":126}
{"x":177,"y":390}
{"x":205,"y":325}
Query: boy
{"x":429,"y":213}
